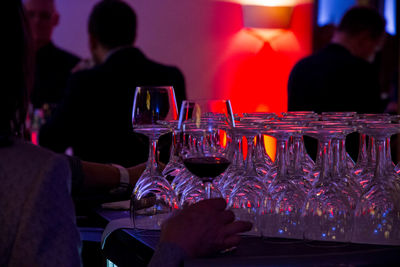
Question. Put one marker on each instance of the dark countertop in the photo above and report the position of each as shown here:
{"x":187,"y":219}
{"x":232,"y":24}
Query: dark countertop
{"x":130,"y":247}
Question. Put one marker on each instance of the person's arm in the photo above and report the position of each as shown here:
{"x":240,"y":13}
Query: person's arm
{"x":107,"y":175}
{"x":89,"y":174}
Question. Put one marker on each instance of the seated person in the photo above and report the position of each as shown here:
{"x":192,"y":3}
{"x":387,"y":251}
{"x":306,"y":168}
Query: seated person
{"x":95,"y":118}
{"x":37,"y":215}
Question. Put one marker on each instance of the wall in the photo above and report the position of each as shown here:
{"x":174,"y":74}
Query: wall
{"x":207,"y":41}
{"x":205,"y":38}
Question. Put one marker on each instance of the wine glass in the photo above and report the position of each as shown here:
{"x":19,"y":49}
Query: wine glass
{"x":153,"y":194}
{"x":377,"y":215}
{"x":327,"y":213}
{"x":246,"y":192}
{"x":205,"y":148}
{"x":286,"y":191}
{"x":262,"y":160}
{"x":174,"y":165}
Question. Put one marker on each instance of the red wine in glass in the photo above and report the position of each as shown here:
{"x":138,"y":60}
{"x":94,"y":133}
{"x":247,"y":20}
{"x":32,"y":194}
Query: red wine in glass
{"x":207,"y":168}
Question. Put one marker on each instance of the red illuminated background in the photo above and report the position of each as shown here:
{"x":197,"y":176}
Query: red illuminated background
{"x":207,"y":40}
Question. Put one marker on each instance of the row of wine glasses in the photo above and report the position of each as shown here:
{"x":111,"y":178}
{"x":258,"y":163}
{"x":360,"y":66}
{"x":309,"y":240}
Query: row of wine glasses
{"x":217,"y":154}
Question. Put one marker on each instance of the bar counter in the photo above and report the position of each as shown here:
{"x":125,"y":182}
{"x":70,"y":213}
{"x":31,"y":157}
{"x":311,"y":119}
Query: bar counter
{"x":131,"y":247}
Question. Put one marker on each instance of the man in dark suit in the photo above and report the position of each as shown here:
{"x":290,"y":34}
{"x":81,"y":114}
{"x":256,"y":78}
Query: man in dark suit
{"x":95,"y":118}
{"x":341,"y":77}
{"x":52,"y":64}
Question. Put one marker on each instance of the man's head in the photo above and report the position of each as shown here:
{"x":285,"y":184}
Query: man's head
{"x":362,"y":30}
{"x":112,"y":24}
{"x":43,"y":17}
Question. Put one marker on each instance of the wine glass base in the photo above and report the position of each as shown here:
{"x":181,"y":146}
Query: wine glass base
{"x":154,"y":132}
{"x":326,"y":244}
{"x":278,"y":240}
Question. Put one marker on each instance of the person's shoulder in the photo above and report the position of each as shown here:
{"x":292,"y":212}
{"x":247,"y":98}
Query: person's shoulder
{"x":30,"y":150}
{"x":163,"y":66}
{"x":319,"y":60}
{"x":31,"y":158}
{"x":170,"y":71}
{"x":304,"y":64}
{"x":92,"y":74}
{"x":65,"y":55}
{"x":158,"y":65}
{"x":84,"y":83}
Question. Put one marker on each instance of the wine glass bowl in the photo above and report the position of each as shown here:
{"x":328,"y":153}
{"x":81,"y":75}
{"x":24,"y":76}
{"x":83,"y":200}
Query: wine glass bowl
{"x":205,"y":143}
{"x":153,"y":104}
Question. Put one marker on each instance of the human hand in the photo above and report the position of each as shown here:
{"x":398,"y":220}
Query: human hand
{"x":204,"y":228}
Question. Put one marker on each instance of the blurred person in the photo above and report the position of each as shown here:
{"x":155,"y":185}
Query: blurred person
{"x":95,"y":119}
{"x":341,"y":77}
{"x":36,"y":210}
{"x":53,"y":64}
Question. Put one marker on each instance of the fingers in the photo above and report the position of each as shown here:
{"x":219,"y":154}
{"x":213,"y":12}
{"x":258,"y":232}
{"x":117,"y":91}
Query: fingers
{"x":217,"y":204}
{"x":231,"y":237}
{"x":237,"y":227}
{"x":226,"y":217}
{"x":231,"y":241}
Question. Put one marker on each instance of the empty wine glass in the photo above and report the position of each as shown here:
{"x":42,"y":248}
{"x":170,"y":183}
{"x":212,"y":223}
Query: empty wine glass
{"x":326,"y":213}
{"x":247,"y":191}
{"x":236,"y":169}
{"x":365,"y":166}
{"x":364,"y":158}
{"x":174,"y":165}
{"x":287,"y":191}
{"x":377,"y":215}
{"x":262,"y":160}
{"x":153,"y":194}
{"x":300,"y":160}
{"x":347,"y":118}
{"x":205,"y":146}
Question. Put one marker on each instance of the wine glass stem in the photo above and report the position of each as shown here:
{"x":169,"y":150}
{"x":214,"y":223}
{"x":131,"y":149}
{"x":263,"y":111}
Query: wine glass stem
{"x":207,"y":189}
{"x":325,"y":167}
{"x":298,"y":153}
{"x":380,"y":157}
{"x":173,"y":152}
{"x":362,"y":149}
{"x":250,"y":153}
{"x":152,"y":161}
{"x":281,"y":156}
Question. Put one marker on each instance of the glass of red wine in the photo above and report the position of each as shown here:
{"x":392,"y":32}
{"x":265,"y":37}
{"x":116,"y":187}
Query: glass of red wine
{"x":205,"y":145}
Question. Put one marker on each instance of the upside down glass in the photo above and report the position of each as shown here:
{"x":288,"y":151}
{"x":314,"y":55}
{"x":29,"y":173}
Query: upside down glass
{"x":377,"y":215}
{"x":246,"y":191}
{"x":153,"y":195}
{"x":286,"y":191}
{"x":326,"y":213}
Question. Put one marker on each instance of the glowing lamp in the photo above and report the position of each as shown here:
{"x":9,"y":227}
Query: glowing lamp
{"x":267,"y":17}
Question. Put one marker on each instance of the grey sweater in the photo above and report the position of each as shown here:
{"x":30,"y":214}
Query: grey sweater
{"x":37,"y":218}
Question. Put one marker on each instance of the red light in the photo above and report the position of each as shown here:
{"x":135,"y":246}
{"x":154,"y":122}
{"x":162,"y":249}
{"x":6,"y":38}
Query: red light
{"x":34,"y":138}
